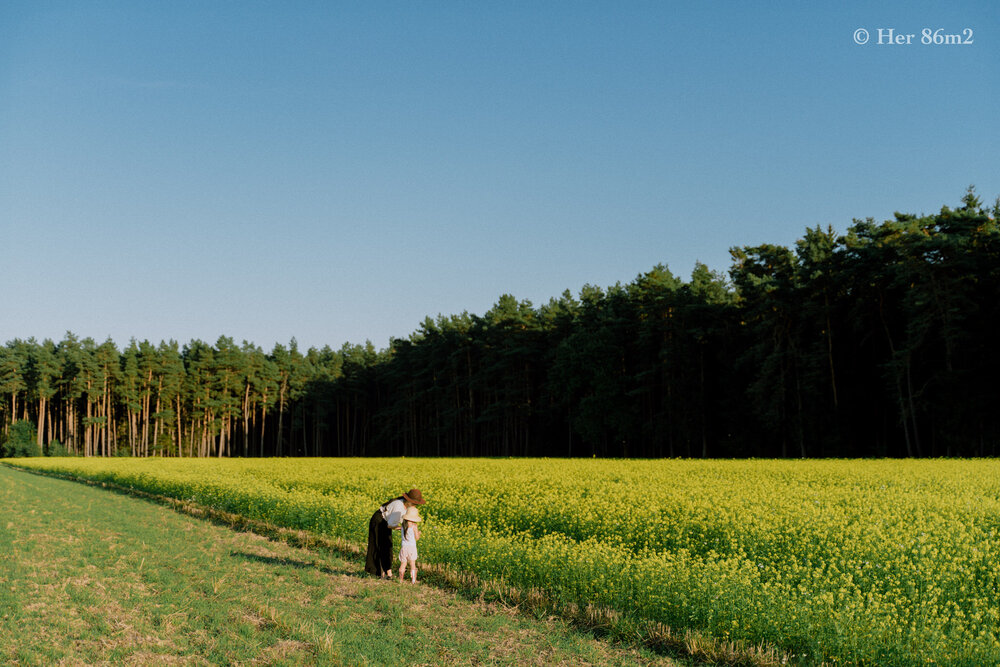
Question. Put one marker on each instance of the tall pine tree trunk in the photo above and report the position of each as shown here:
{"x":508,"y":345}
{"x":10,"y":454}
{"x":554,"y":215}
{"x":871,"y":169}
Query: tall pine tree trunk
{"x":41,"y":422}
{"x":180,"y":429}
{"x":281,"y":420}
{"x":156,"y":420}
{"x":246,"y":419}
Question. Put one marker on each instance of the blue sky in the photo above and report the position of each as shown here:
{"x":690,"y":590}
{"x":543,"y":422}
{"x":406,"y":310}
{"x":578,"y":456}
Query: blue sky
{"x":335,"y":172}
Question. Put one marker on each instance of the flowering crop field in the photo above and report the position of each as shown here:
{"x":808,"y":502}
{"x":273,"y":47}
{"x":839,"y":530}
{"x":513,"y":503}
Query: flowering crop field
{"x":866,"y":561}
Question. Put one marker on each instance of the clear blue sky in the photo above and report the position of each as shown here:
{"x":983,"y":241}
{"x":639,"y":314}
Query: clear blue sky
{"x":338,"y":171}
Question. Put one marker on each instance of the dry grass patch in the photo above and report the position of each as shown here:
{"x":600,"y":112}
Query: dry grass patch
{"x":286,"y":650}
{"x":147,"y":658}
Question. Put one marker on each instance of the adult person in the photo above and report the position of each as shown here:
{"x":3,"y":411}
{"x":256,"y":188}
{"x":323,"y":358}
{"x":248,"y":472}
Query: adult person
{"x":387,"y":518}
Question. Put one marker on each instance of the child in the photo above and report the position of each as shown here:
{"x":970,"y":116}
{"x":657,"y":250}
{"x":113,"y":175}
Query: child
{"x":408,"y":544}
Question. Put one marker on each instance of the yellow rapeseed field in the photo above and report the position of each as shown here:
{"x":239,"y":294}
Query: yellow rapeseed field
{"x":864,"y":561}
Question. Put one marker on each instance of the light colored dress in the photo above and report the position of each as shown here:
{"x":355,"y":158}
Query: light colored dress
{"x":408,"y":544}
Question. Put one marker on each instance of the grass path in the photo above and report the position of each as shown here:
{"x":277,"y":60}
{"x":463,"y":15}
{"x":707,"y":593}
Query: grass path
{"x":94,"y":577}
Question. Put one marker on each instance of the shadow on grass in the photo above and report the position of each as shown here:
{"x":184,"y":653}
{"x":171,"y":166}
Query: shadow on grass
{"x":295,"y":563}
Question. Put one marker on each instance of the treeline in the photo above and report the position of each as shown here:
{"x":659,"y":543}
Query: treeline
{"x":878,"y":342}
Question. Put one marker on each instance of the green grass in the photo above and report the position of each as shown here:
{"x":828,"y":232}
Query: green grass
{"x":94,"y":577}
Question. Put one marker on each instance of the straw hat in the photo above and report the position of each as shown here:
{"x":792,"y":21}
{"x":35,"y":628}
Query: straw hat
{"x":412,"y":515}
{"x":414,"y":496}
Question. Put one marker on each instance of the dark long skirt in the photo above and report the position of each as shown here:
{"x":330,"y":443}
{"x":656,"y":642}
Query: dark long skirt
{"x":379,"y":558}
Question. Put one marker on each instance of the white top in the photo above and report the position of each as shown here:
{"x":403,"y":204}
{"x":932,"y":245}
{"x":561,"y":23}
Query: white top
{"x":393,"y":512}
{"x":409,"y":538}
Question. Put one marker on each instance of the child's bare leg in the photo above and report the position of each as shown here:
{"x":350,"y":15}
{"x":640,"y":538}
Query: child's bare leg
{"x":413,"y":571}
{"x":402,"y":569}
